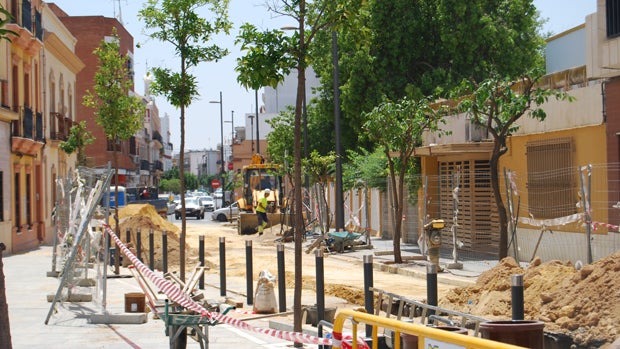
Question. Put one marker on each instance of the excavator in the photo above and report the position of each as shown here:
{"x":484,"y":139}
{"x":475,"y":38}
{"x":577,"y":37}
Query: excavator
{"x":256,"y":177}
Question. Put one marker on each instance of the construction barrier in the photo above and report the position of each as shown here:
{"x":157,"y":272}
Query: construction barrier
{"x":428,"y":337}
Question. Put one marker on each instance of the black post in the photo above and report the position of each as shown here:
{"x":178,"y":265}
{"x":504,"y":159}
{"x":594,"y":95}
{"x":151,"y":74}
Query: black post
{"x":249,"y":271}
{"x":339,"y":209}
{"x":201,"y":259}
{"x":151,"y":250}
{"x":139,"y":244}
{"x":368,"y":293}
{"x":127,"y":236}
{"x":431,"y":286}
{"x":164,"y":251}
{"x":516,"y":290}
{"x":320,"y":285}
{"x":281,"y":279}
{"x":222,"y":266}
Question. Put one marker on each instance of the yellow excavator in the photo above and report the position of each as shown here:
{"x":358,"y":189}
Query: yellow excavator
{"x":256,"y":177}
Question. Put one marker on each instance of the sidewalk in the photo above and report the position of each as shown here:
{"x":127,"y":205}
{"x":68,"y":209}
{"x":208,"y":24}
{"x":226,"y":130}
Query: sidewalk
{"x":70,"y":327}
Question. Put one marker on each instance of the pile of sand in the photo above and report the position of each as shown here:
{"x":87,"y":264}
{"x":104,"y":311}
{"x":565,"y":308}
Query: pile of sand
{"x":145,"y":217}
{"x":583,"y":304}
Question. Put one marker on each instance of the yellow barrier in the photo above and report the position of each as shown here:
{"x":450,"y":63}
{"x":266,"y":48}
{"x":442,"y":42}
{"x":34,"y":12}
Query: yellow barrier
{"x":428,"y":337}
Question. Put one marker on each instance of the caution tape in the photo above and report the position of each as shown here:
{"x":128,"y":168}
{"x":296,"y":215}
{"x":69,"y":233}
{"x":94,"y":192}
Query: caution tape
{"x":606,"y":225}
{"x":551,"y":222}
{"x":175,"y":294}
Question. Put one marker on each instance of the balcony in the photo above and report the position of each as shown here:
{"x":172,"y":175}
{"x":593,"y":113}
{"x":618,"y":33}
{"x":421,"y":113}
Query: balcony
{"x":27,"y":133}
{"x":157,"y":137}
{"x":145,"y":165}
{"x":158,"y":166}
{"x":60,"y":126}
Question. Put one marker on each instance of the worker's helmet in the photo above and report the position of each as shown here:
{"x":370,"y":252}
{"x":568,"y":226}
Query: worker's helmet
{"x":267,"y":191}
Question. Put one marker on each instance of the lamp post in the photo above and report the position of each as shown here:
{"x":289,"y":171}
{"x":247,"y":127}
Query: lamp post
{"x":221,"y":144}
{"x":339,"y":210}
{"x":232,"y":134}
{"x":252,"y":131}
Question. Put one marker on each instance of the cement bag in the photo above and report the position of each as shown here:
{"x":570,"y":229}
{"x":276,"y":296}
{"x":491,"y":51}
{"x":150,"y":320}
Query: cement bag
{"x":265,"y":296}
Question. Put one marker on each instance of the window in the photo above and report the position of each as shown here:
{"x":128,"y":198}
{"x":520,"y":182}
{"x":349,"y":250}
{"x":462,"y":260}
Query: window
{"x":28,"y":202}
{"x":551,"y":184}
{"x":612,"y":12}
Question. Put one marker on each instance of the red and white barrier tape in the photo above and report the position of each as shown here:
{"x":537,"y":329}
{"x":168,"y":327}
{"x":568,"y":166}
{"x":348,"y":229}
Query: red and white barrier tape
{"x":606,"y":225}
{"x":175,"y":294}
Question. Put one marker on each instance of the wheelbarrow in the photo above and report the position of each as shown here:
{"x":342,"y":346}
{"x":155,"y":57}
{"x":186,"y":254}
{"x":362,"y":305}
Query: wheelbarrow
{"x":341,"y":240}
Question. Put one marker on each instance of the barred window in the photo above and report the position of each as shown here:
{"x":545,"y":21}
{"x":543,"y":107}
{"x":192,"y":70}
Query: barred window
{"x":551,"y":182}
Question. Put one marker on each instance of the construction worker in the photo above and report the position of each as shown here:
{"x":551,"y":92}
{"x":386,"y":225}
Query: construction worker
{"x":261,"y":211}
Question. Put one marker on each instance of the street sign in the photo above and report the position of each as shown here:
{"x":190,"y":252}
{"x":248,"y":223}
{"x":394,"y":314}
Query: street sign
{"x":215,"y":183}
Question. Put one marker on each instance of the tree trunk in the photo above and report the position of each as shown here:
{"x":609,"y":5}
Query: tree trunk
{"x":117,"y":227}
{"x":5,"y":329}
{"x":501,"y":209}
{"x":297,"y":184}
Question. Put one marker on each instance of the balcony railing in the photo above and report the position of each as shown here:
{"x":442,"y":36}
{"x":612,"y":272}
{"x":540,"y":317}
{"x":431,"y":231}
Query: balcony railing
{"x":26,"y":14}
{"x":158,"y":165}
{"x":59,"y":126}
{"x":157,"y":137}
{"x":24,"y":126}
{"x":38,"y":127}
{"x":145,"y":165}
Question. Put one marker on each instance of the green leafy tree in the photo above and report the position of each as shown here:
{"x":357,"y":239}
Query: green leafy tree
{"x":171,"y":174}
{"x":79,"y":138}
{"x":320,"y":168}
{"x":396,"y":128}
{"x":118,"y":113}
{"x":177,"y":22}
{"x":5,"y":34}
{"x":365,"y":169}
{"x":269,"y":56}
{"x":170,"y":185}
{"x":497,"y":104}
{"x":415,"y":48}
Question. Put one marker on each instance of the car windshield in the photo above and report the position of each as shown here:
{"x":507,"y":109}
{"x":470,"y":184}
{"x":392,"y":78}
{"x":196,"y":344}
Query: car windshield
{"x":207,"y":198}
{"x":191,"y":201}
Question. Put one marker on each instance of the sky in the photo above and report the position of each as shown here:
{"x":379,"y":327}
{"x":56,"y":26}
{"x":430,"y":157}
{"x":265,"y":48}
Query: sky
{"x":202,"y":123}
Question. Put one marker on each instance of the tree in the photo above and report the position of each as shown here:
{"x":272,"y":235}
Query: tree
{"x":497,"y":104}
{"x":177,"y":22}
{"x":320,"y":168}
{"x":396,"y":128}
{"x":5,"y":34}
{"x":269,"y":56}
{"x":79,"y":138}
{"x":118,"y":113}
{"x":415,"y":48}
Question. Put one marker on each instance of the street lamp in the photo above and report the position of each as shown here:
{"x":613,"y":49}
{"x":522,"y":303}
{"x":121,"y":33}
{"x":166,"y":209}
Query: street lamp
{"x":257,"y":136}
{"x":339,"y":210}
{"x":252,"y":131}
{"x":221,"y":144}
{"x":232,"y":134}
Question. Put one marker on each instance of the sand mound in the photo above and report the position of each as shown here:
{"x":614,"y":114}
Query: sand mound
{"x":145,"y":217}
{"x":584,"y":304}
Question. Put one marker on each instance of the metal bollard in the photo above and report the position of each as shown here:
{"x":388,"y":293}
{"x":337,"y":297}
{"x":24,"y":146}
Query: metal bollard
{"x":127,"y":236}
{"x":222,"y":266}
{"x":164,"y":252}
{"x":151,"y":250}
{"x":201,"y":259}
{"x":249,"y":271}
{"x":368,"y":294}
{"x":320,"y":285}
{"x":281,"y":279}
{"x":139,"y":244}
{"x":516,"y":291}
{"x":431,"y":286}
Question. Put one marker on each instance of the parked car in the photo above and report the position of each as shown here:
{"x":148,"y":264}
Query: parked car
{"x":208,"y":203}
{"x":225,"y":214}
{"x":193,"y":208}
